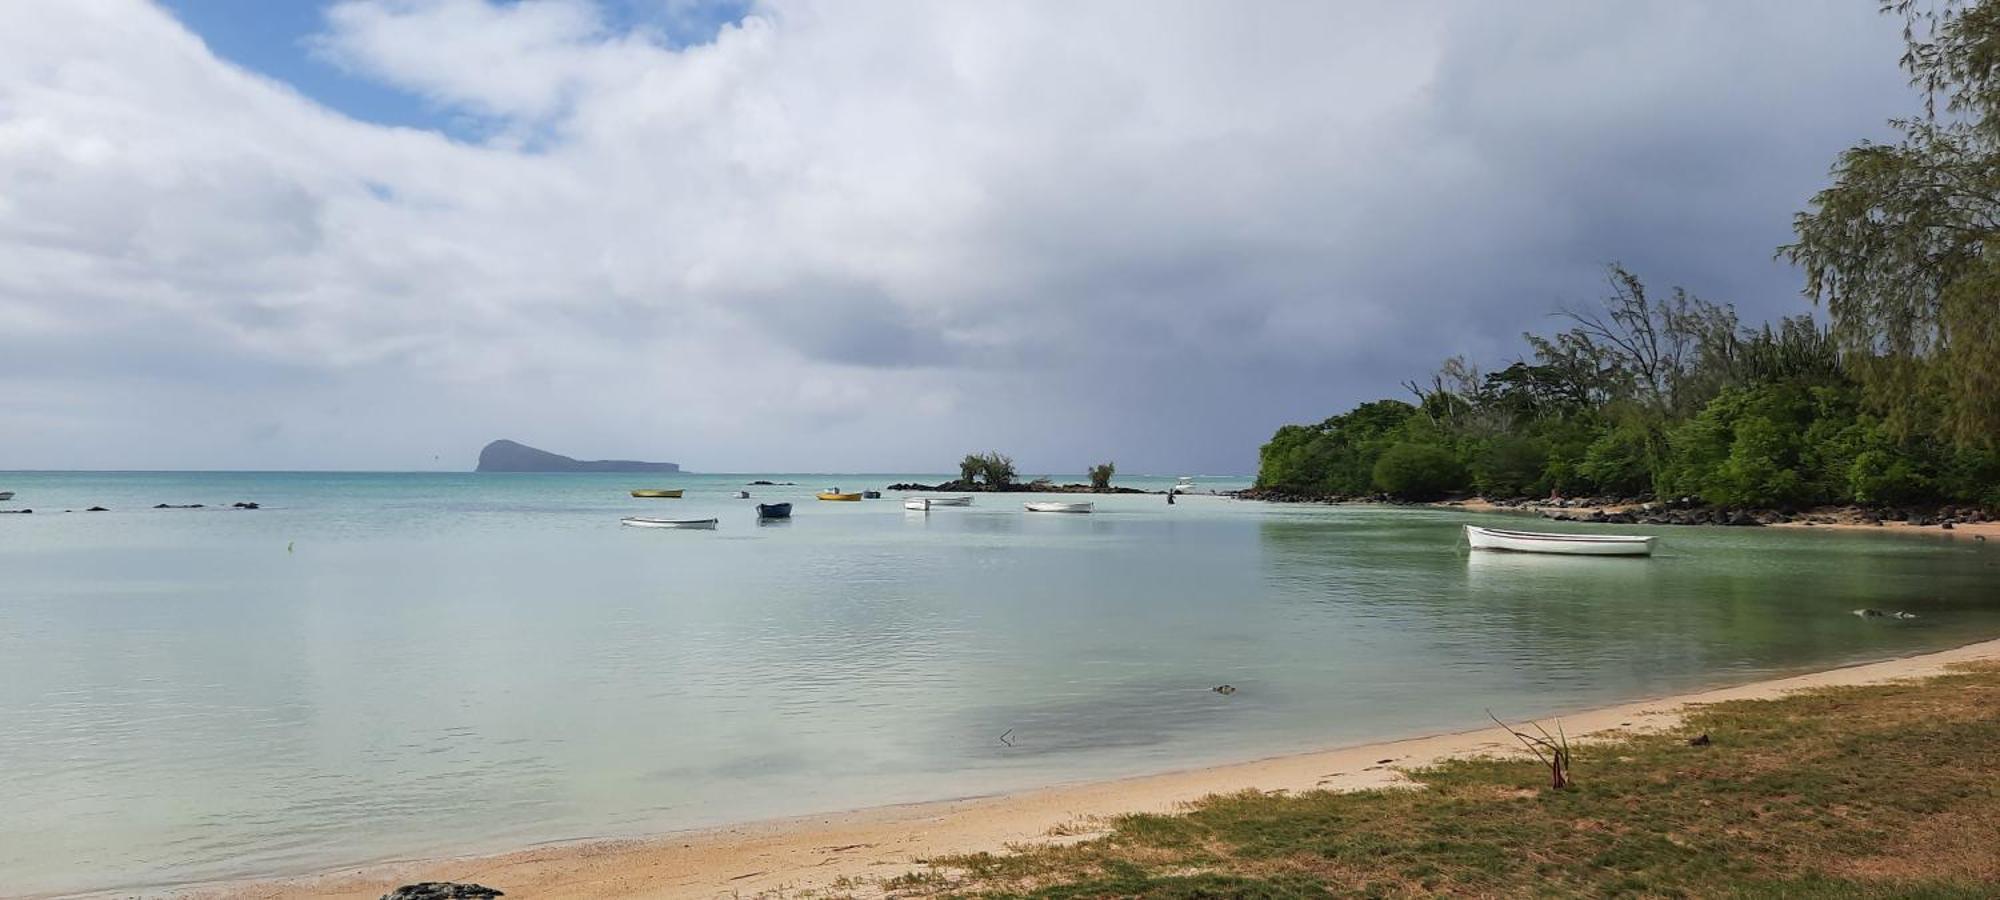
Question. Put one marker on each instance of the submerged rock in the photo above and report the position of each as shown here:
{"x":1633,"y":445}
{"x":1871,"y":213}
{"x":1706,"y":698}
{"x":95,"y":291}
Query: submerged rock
{"x":443,"y":890}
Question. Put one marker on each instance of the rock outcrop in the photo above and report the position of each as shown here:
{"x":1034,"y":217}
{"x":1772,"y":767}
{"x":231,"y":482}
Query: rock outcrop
{"x":1013,"y":487}
{"x":443,"y":890}
{"x":509,"y":456}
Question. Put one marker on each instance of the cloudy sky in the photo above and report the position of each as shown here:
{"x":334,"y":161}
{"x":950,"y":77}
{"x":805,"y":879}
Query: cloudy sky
{"x":821,"y":236}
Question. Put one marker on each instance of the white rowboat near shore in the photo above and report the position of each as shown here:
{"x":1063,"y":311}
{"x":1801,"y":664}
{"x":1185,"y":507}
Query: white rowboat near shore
{"x":643,"y":522}
{"x":1548,"y":542}
{"x":1051,"y":506}
{"x":959,"y":500}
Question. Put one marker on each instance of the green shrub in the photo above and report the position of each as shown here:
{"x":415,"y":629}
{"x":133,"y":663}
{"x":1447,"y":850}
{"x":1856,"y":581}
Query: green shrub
{"x":1878,"y":477}
{"x":995,"y":468}
{"x":1418,"y":472}
{"x":1511,"y":466}
{"x":1100,"y":475}
{"x":1618,"y":462}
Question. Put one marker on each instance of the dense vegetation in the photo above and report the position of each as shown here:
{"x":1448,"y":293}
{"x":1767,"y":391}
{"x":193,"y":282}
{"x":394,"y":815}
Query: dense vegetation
{"x":1896,"y":401}
{"x":1884,"y":791}
{"x":996,"y":469}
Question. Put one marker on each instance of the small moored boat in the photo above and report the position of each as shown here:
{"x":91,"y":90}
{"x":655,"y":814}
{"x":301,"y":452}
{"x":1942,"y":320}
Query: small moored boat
{"x":1549,"y":542}
{"x":742,"y":495}
{"x":836,"y":495}
{"x":961,"y":500}
{"x":659,"y":494}
{"x":6,"y":495}
{"x":643,"y":522}
{"x":1052,"y":506}
{"x":774,"y":510}
{"x":921,"y":504}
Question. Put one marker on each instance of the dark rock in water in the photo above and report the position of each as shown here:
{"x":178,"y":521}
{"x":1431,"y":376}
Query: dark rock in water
{"x":21,"y":512}
{"x":1870,"y":613}
{"x":443,"y":890}
{"x":1224,"y":689}
{"x":871,"y":495}
{"x":1740,"y":518}
{"x":959,"y":486}
{"x":176,"y":506}
{"x":508,"y":456}
{"x":97,"y":509}
{"x":241,"y":505}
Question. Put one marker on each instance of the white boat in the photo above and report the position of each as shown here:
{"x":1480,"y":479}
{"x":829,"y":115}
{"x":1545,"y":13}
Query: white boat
{"x":960,"y":500}
{"x":921,"y":504}
{"x":643,"y":522}
{"x":1057,"y":507}
{"x":6,"y":495}
{"x":1547,"y":542}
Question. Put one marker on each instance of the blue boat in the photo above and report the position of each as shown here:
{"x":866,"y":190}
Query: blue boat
{"x":774,"y":510}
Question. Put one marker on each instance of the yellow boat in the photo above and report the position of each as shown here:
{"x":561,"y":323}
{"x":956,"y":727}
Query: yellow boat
{"x":657,"y":495}
{"x":836,"y":495}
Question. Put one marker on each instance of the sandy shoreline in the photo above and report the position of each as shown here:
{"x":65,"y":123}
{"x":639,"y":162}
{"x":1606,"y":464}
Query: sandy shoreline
{"x":818,"y":852}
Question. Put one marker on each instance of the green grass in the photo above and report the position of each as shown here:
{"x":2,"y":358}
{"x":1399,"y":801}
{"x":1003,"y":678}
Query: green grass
{"x":1881,"y":791}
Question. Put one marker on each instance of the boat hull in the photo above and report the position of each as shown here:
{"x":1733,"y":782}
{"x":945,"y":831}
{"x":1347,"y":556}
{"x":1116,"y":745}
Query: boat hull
{"x":948,"y":501}
{"x":1561,"y":544}
{"x":658,"y":495}
{"x":774,"y":510}
{"x":6,"y":495}
{"x":1052,"y":507}
{"x":843,"y":498}
{"x":643,"y":522}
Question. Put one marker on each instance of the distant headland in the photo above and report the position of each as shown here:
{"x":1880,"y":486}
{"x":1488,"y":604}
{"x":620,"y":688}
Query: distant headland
{"x":509,"y":456}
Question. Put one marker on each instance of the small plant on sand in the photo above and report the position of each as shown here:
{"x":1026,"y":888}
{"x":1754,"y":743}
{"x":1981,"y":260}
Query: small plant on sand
{"x":1552,"y":750}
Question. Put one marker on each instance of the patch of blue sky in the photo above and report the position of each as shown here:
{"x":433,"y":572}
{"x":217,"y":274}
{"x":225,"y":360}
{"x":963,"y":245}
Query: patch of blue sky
{"x":274,"y":39}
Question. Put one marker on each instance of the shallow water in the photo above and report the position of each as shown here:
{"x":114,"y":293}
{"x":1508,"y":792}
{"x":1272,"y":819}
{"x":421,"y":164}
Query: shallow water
{"x":396,"y":665}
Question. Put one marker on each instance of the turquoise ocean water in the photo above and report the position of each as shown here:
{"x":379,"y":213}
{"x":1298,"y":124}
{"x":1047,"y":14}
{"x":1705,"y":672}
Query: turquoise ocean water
{"x":392,"y":665}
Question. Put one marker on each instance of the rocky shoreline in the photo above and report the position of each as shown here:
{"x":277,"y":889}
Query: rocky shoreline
{"x":1685,"y":511}
{"x":1032,"y":487}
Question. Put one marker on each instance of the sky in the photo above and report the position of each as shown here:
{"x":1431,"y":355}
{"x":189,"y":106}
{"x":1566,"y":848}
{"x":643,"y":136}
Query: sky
{"x":786,"y":235}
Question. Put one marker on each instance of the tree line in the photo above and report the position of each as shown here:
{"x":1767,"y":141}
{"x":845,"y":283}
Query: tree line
{"x":1895,"y":401}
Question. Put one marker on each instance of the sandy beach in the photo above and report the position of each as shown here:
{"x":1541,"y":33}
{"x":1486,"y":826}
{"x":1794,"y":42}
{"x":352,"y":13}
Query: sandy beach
{"x":852,"y":850}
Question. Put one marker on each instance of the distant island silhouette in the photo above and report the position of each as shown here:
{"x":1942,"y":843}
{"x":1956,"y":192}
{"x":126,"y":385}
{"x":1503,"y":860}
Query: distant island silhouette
{"x":511,"y":456}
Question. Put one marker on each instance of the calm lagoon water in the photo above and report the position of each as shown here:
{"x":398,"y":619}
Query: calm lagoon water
{"x":378,"y":666}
